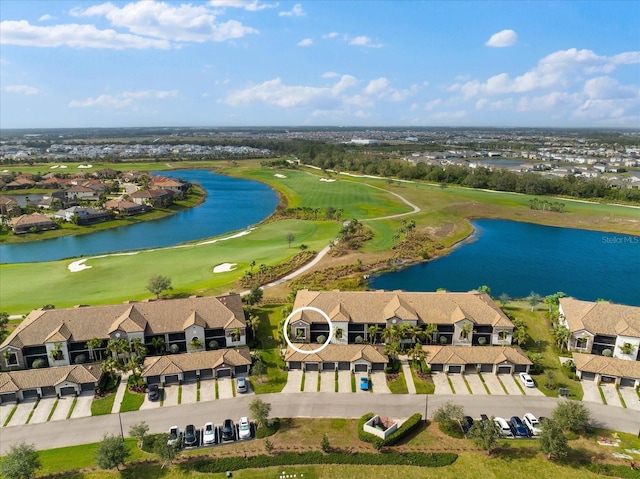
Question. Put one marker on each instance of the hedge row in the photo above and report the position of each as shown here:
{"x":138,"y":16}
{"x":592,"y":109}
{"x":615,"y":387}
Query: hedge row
{"x":316,"y":457}
{"x":408,"y":426}
{"x":611,"y":470}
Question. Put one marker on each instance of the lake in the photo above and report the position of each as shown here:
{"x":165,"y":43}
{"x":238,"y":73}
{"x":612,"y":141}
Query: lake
{"x":517,"y":258}
{"x":232,"y":204}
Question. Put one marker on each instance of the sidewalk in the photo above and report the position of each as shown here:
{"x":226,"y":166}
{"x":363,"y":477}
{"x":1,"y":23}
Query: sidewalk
{"x":408,"y":377}
{"x":122,"y":387}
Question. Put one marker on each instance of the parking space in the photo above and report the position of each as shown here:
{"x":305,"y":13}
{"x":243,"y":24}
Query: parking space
{"x":493,"y":383}
{"x":532,"y":392}
{"x":327,"y":382}
{"x":22,"y":412}
{"x":62,"y":409}
{"x":630,"y":398}
{"x":441,"y":383}
{"x":42,"y":410}
{"x":5,"y":410}
{"x":510,"y":385}
{"x":189,"y":393}
{"x":311,"y":381}
{"x":458,"y":384}
{"x":379,"y":382}
{"x":146,"y":404}
{"x":83,"y":405}
{"x":344,"y":382}
{"x":590,"y":391}
{"x":225,"y":388}
{"x":474,"y":382}
{"x":171,"y":395}
{"x":611,"y":394}
{"x":294,"y":379}
{"x":207,"y":390}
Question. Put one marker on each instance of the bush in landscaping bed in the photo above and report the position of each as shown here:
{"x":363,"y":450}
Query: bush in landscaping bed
{"x":611,"y":470}
{"x":269,"y":430}
{"x":150,"y":441}
{"x":317,"y":457}
{"x":409,"y":425}
{"x":366,"y":436}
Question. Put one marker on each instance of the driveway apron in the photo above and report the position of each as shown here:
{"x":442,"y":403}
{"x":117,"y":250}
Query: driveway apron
{"x":344,"y":382}
{"x":327,"y":382}
{"x":294,"y":379}
{"x":630,"y":398}
{"x":441,"y":383}
{"x":189,"y":393}
{"x":171,"y":395}
{"x":225,"y":388}
{"x":611,"y":395}
{"x":476,"y":384}
{"x":207,"y":390}
{"x":311,"y":381}
{"x":509,"y":382}
{"x":83,"y":405}
{"x":458,"y":384}
{"x":591,"y":392}
{"x":22,"y":412}
{"x":62,"y":409}
{"x":493,"y":383}
{"x":379,"y":381}
{"x":42,"y":411}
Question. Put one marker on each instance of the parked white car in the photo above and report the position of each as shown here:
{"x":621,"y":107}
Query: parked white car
{"x":527,"y":381}
{"x":505,"y":429}
{"x":532,"y":424}
{"x":174,"y":436}
{"x":244,"y":428}
{"x":208,"y":434}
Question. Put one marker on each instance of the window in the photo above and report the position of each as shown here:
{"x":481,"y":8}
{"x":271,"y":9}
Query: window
{"x":301,"y":333}
{"x":339,"y":333}
{"x":503,"y":335}
{"x":581,"y":343}
{"x":12,"y":359}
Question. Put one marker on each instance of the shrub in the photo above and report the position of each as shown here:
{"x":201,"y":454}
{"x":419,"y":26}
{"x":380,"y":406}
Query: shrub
{"x":269,"y":430}
{"x":409,"y":425}
{"x":443,"y":340}
{"x":39,"y":363}
{"x":359,"y":340}
{"x":80,"y":359}
{"x":482,"y":340}
{"x":258,"y":368}
{"x":607,"y":352}
{"x":174,"y":348}
{"x":321,"y":339}
{"x":213,"y":344}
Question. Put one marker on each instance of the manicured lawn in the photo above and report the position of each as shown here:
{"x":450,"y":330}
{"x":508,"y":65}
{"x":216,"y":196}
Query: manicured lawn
{"x":103,"y":405}
{"x":399,"y":385}
{"x":276,"y":377}
{"x":131,"y":401}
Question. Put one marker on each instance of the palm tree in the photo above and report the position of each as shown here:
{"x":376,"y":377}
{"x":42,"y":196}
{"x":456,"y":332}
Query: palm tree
{"x":561,"y":334}
{"x":372,"y":331}
{"x":412,"y":331}
{"x":94,"y":345}
{"x":119,"y":348}
{"x":138,"y":348}
{"x":253,"y":322}
{"x":237,"y":332}
{"x":158,"y":344}
{"x":392,"y":349}
{"x":467,"y":329}
{"x":429,"y":330}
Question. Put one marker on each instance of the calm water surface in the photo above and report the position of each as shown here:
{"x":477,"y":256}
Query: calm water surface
{"x":232,"y":204}
{"x":517,"y":258}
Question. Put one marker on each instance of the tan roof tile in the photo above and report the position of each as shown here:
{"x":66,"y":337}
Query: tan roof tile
{"x":36,"y":378}
{"x":178,"y":363}
{"x":601,"y":317}
{"x":475,"y":355}
{"x":593,"y":363}
{"x":337,"y":353}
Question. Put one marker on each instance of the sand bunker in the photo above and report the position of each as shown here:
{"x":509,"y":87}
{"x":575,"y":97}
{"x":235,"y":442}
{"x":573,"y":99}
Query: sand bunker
{"x":224,"y":267}
{"x":85,"y":166}
{"x":328,"y":180}
{"x":53,"y":166}
{"x":78,"y":266}
{"x":278,"y":175}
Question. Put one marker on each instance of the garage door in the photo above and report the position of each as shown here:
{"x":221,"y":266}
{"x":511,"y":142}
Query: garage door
{"x":7,"y":398}
{"x":295,"y":365}
{"x":377,"y":366}
{"x":87,"y":387}
{"x":486,"y":368}
{"x":68,"y":391}
{"x":521,"y":368}
{"x":504,"y":369}
{"x":190,"y":376}
{"x":30,"y":393}
{"x":224,"y":373}
{"x":241,"y":370}
{"x":627,"y":382}
{"x":171,"y":379}
{"x":206,"y":373}
{"x":48,"y":391}
{"x":588,"y":376}
{"x":344,"y":366}
{"x":311,"y":367}
{"x":361,"y":368}
{"x":328,"y":366}
{"x":455,"y":369}
{"x":437,"y":368}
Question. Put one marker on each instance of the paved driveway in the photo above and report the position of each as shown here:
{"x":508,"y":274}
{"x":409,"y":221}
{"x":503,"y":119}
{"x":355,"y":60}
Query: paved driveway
{"x":311,"y":381}
{"x":327,"y":382}
{"x":591,"y":392}
{"x":458,"y":384}
{"x":344,"y":381}
{"x":441,"y":383}
{"x":5,"y":410}
{"x":207,"y":390}
{"x":493,"y":383}
{"x":294,"y":378}
{"x":171,"y":395}
{"x":22,"y":412}
{"x":510,"y":385}
{"x":379,"y":382}
{"x":630,"y":398}
{"x":146,"y":404}
{"x":62,"y":409}
{"x":42,"y":411}
{"x":83,"y":405}
{"x":189,"y":392}
{"x":473,"y":380}
{"x":611,"y":394}
{"x":225,"y":388}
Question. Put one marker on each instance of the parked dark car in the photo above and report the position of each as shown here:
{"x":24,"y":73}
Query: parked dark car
{"x":484,"y":419}
{"x":228,"y":430}
{"x":153,"y":392}
{"x":190,"y":436}
{"x":467,"y":423}
{"x":518,"y":427}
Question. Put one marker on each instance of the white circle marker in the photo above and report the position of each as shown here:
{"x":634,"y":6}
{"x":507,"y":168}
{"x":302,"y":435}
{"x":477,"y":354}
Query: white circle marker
{"x":286,"y":327}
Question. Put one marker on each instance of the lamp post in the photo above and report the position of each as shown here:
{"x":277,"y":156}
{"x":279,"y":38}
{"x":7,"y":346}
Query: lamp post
{"x":121,"y":431}
{"x":426,"y":407}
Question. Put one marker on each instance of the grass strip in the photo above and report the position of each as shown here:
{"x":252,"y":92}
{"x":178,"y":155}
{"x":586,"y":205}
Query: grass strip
{"x":302,"y":382}
{"x":353,"y":383}
{"x":502,"y":384}
{"x":32,"y":410}
{"x":221,"y":465}
{"x":370,"y":384}
{"x":233,"y":387}
{"x":217,"y":390}
{"x":53,"y":409}
{"x":102,"y":406}
{"x":399,"y":385}
{"x":519,"y":386}
{"x":13,"y":411}
{"x":131,"y":401}
{"x":466,"y":383}
{"x":336,"y":381}
{"x":179,"y":394}
{"x":318,"y":387}
{"x":198,"y":390}
{"x":622,"y":401}
{"x":602,"y":396}
{"x":73,"y":406}
{"x":486,"y":388}
{"x":453,"y":390}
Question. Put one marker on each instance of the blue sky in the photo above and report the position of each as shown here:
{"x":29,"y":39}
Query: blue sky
{"x":343,"y":63}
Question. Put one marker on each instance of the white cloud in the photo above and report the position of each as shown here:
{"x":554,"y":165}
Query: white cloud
{"x":122,"y":100}
{"x":249,"y":5}
{"x":296,"y":11}
{"x":329,"y":75}
{"x":179,"y":23}
{"x":363,"y":41}
{"x":504,"y":38}
{"x":45,"y":17}
{"x":331,"y":35}
{"x":377,"y":87}
{"x":23,"y":89}
{"x":73,"y":35}
{"x":305,"y":42}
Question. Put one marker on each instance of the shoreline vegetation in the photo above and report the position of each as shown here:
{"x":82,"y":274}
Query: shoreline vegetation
{"x":442,"y":224}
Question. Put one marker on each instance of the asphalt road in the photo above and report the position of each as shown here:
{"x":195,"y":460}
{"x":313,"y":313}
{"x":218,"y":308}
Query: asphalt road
{"x":328,"y":405}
